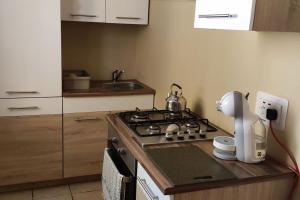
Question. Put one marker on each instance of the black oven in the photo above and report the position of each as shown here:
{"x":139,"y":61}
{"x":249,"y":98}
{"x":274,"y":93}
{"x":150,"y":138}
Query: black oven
{"x":125,"y":162}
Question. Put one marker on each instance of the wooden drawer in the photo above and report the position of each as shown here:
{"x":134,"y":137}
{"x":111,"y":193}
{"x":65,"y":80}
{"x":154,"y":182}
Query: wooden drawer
{"x":85,"y":136}
{"x":30,"y":149}
{"x":229,"y":14}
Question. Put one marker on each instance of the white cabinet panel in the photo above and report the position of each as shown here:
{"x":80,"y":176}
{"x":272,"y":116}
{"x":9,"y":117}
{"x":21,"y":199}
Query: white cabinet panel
{"x":30,"y":50}
{"x":83,"y":10}
{"x":108,"y":103}
{"x":30,"y":106}
{"x":225,"y":14}
{"x":127,"y":11}
{"x":146,"y":187}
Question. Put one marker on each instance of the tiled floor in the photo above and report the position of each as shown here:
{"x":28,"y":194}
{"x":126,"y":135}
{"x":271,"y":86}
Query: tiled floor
{"x":78,"y":191}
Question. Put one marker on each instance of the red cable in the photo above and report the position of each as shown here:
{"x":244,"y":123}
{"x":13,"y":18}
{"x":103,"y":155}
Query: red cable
{"x":295,"y":168}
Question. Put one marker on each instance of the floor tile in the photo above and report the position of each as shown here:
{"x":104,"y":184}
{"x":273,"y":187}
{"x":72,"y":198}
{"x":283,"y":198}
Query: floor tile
{"x":65,"y":197}
{"x":85,"y":187}
{"x":20,"y":195}
{"x":95,"y":195}
{"x":44,"y":193}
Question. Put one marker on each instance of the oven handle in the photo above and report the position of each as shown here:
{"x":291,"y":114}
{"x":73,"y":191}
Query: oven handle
{"x":147,"y":189}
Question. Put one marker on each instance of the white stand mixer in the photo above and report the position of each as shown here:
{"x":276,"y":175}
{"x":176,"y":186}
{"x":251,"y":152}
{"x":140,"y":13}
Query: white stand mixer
{"x":250,"y":147}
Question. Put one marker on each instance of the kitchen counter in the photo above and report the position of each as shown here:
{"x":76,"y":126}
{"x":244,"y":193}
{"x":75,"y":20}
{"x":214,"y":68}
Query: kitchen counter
{"x":97,"y":89}
{"x":268,"y":170}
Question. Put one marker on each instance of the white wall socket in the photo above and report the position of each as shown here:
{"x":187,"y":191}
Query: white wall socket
{"x":265,"y":101}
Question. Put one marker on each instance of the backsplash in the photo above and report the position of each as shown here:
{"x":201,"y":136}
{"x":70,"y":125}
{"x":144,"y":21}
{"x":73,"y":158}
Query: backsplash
{"x":99,"y":48}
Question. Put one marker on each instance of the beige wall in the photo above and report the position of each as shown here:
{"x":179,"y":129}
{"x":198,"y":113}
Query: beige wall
{"x":99,"y":48}
{"x":208,"y":63}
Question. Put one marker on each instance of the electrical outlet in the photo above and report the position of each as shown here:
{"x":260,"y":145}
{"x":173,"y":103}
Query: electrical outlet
{"x":265,"y":101}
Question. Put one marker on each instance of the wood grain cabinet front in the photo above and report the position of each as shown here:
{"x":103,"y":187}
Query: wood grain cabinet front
{"x":30,"y":149}
{"x":84,"y":143}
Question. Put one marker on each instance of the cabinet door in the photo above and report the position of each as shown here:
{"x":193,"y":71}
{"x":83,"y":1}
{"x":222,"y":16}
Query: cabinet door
{"x":84,"y":143}
{"x":30,"y":50}
{"x":141,"y":193}
{"x":127,"y":11}
{"x":30,"y":149}
{"x":146,"y":187}
{"x":83,"y":10}
{"x":225,"y":14}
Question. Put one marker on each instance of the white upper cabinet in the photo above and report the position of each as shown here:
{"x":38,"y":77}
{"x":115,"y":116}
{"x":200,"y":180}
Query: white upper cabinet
{"x":225,"y":14}
{"x":127,"y":11}
{"x":109,"y":11}
{"x":30,"y":48}
{"x":83,"y":10}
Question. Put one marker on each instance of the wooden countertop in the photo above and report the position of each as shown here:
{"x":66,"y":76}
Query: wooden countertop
{"x":245,"y":173}
{"x":97,"y":90}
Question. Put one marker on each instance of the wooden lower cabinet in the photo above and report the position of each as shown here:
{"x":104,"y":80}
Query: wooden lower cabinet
{"x":276,"y":189}
{"x":84,"y":143}
{"x":30,"y":149}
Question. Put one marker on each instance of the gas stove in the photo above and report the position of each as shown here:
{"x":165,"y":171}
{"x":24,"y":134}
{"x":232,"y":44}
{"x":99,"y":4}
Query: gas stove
{"x":155,"y":126}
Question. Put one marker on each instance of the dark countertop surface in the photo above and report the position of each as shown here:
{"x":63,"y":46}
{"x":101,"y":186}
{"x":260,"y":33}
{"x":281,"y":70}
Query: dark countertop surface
{"x":97,"y":89}
{"x":244,"y":173}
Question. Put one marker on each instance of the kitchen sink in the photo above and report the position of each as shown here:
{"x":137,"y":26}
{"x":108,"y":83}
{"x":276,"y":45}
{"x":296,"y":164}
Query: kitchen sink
{"x":122,"y":86}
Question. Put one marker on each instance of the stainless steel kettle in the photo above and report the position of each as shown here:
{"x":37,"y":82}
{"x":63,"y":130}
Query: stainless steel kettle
{"x":175,"y":101}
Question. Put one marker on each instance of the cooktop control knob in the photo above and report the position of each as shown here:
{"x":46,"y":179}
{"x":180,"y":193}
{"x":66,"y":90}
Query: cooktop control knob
{"x":121,"y":151}
{"x":202,"y":134}
{"x":180,"y":135}
{"x":169,"y":136}
{"x":114,"y":140}
{"x":191,"y":134}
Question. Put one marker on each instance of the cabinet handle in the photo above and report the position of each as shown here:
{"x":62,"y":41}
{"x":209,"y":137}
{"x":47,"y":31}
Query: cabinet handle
{"x":218,"y":16}
{"x":83,"y":119}
{"x":23,"y":108}
{"x":21,"y":92}
{"x":136,"y":18}
{"x":147,"y":189}
{"x":81,"y":15}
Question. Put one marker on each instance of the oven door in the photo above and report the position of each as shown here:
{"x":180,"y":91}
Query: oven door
{"x":117,"y":181}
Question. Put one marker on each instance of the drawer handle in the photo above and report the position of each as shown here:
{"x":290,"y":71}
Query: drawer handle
{"x":136,"y":18}
{"x":218,"y":16}
{"x":147,"y":189}
{"x":23,"y":108}
{"x":86,"y":119}
{"x":81,"y":15}
{"x":21,"y":92}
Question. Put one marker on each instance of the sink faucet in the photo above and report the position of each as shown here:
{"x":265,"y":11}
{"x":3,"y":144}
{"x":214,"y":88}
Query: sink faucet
{"x":116,"y":74}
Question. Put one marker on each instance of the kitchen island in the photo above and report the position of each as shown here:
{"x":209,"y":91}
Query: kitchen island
{"x":267,"y":180}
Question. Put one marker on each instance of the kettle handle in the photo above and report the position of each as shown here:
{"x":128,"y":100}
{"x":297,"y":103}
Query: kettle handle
{"x":176,"y":85}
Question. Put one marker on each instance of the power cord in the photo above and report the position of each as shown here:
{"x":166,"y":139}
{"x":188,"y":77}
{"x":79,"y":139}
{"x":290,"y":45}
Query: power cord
{"x":272,"y":115}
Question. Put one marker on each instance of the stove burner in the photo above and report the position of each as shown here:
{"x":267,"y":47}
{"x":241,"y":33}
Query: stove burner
{"x":154,"y":129}
{"x":139,"y":117}
{"x":192,"y":125}
{"x":173,"y":115}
